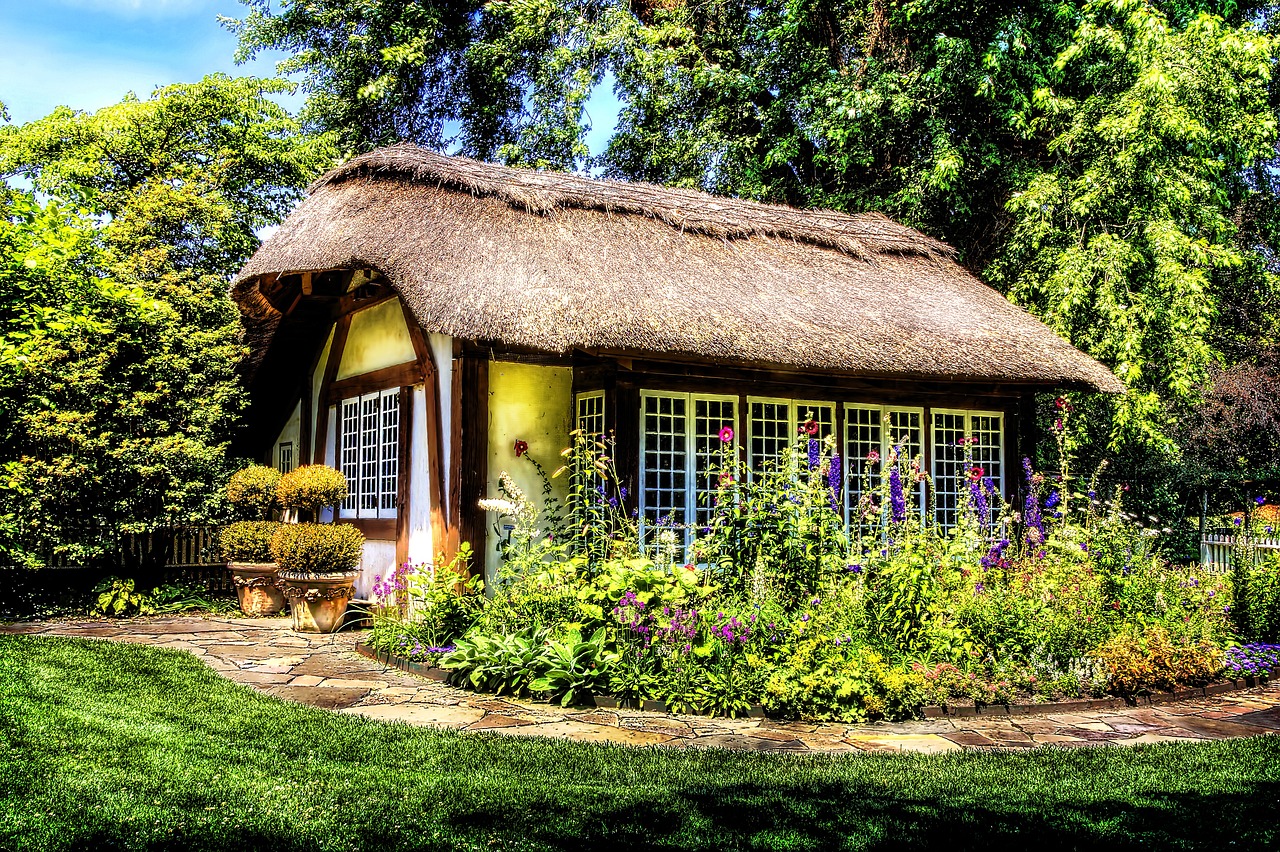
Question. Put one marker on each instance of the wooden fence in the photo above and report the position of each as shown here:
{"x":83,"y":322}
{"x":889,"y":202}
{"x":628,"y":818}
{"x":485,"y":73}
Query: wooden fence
{"x":1219,"y":549}
{"x":189,"y":555}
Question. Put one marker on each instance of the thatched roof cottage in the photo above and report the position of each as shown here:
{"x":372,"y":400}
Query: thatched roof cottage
{"x":418,"y":314}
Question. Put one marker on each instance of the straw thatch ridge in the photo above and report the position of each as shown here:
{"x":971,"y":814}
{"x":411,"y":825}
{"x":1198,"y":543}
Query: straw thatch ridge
{"x":558,"y":262}
{"x":864,"y":235}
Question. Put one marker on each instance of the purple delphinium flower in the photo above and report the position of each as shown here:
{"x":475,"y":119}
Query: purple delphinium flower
{"x":1258,"y":501}
{"x":854,"y":569}
{"x":815,"y":453}
{"x":978,"y":587}
{"x":1031,"y":509}
{"x":1052,"y":500}
{"x":978,"y":498}
{"x":897,"y":503}
{"x":834,"y":477}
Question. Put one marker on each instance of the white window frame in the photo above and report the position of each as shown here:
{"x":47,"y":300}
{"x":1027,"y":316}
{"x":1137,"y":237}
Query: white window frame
{"x":579,"y":417}
{"x":284,"y":451}
{"x":690,"y":456}
{"x":968,"y":415}
{"x":886,"y":444}
{"x":352,"y":508}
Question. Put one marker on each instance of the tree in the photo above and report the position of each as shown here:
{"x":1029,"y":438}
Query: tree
{"x":118,"y":343}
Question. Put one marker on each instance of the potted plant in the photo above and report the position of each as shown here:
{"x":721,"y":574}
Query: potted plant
{"x":246,"y":544}
{"x":317,"y":561}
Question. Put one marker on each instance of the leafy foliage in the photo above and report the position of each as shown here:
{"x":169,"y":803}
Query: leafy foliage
{"x":312,"y":488}
{"x":118,"y":342}
{"x":252,"y":490}
{"x":317,"y":548}
{"x":247,"y":541}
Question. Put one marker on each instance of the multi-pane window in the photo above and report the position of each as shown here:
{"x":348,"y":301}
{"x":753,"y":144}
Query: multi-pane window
{"x":878,"y":429}
{"x":590,"y":417}
{"x":679,"y":450}
{"x":369,"y":454}
{"x":284,"y":456}
{"x":774,"y":425}
{"x":960,"y":439}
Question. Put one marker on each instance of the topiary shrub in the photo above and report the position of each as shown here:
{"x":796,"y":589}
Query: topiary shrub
{"x":317,"y":548}
{"x":248,"y":541}
{"x":311,"y":488}
{"x":253,"y":490}
{"x":1258,"y":600}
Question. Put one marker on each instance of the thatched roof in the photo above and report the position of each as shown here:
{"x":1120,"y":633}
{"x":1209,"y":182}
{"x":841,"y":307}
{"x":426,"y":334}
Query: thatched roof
{"x":557,"y":262}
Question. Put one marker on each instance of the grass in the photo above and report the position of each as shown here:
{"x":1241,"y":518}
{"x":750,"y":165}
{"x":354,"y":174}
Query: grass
{"x":110,"y":746}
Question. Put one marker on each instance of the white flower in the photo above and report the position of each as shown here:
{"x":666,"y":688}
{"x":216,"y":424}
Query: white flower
{"x":502,"y":507}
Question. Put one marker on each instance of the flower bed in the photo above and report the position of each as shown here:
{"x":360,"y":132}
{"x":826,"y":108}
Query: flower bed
{"x":773,"y":601}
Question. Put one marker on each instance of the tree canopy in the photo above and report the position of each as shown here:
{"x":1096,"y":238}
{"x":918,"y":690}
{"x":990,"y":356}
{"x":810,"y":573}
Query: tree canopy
{"x":118,"y":342}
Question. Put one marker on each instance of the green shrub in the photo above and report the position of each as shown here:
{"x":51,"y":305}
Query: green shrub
{"x":317,"y":548}
{"x":253,"y":490}
{"x":844,"y":683}
{"x":311,"y":488}
{"x":1258,"y":601}
{"x":248,"y":541}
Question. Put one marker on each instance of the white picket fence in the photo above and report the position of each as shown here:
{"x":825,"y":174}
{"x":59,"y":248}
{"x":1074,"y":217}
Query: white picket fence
{"x":1217,"y":549}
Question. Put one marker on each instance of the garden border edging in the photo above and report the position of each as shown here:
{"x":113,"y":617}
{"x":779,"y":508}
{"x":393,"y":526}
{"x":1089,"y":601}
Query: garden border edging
{"x":1149,"y":699}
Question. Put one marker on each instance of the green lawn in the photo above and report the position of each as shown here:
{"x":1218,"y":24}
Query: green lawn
{"x":125,"y":747}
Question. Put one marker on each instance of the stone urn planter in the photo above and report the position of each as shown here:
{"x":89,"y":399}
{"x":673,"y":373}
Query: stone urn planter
{"x":318,"y":602}
{"x":246,"y":545}
{"x":257,"y":587}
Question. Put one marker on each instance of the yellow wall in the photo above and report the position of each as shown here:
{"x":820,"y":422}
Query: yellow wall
{"x":530,"y":403}
{"x":378,"y":338}
{"x":291,"y":432}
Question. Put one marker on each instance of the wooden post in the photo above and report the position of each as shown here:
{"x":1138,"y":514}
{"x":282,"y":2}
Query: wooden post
{"x":473,"y":441}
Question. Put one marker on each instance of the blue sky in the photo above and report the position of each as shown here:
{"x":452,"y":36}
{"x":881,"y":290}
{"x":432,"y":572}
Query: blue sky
{"x":88,"y":54}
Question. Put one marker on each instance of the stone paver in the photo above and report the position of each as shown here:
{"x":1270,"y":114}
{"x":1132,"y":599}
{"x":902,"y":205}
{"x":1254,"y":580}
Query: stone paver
{"x":325,"y":671}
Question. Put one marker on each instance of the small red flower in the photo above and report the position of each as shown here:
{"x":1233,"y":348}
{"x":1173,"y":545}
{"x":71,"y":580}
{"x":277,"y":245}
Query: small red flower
{"x":810,"y":427}
{"x":726,"y":434}
{"x":1115,"y":605}
{"x":1060,"y":402}
{"x":975,"y":473}
{"x":521,"y":448}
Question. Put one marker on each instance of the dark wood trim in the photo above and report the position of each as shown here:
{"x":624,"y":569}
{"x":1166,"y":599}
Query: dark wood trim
{"x":399,"y":375}
{"x":304,"y":421}
{"x":627,"y":436}
{"x":441,"y":539}
{"x":456,"y":394}
{"x":374,"y":529}
{"x":405,"y":475}
{"x":421,"y":348}
{"x":341,"y":329}
{"x":473,"y":438}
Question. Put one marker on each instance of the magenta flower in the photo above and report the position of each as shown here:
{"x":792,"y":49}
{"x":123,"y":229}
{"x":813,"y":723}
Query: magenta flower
{"x":726,"y":434}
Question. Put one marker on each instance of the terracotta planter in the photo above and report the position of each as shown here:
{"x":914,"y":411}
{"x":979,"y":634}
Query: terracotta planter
{"x":318,"y":602}
{"x":257,"y":587}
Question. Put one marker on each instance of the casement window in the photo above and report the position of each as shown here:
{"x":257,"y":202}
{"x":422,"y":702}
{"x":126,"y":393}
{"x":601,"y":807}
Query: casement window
{"x":369,"y":454}
{"x":774,"y":424}
{"x":590,"y":414}
{"x":284,"y":457}
{"x":878,"y":429}
{"x":679,"y":447}
{"x":981,"y":435}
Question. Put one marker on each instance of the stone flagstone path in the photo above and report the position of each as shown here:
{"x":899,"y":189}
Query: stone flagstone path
{"x":325,"y":671}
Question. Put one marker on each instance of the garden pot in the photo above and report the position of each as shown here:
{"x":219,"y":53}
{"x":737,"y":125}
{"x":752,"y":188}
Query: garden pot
{"x":318,"y":602}
{"x":257,"y":587}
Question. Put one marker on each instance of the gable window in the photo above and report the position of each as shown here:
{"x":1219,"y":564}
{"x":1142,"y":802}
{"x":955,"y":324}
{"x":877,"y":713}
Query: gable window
{"x":284,"y":456}
{"x":679,"y":447}
{"x":774,"y":425}
{"x":982,"y":434}
{"x":369,"y":454}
